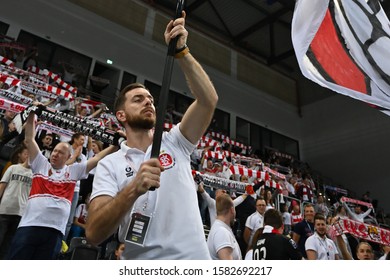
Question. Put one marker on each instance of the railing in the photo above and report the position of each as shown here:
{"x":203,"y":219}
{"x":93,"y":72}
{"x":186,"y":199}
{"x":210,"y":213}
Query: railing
{"x":281,"y":199}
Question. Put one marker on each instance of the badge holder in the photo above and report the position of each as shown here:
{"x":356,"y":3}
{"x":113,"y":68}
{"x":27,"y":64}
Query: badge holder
{"x":140,"y":220}
{"x":138,"y":229}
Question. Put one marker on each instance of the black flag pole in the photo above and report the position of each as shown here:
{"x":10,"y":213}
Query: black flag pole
{"x":163,"y":98}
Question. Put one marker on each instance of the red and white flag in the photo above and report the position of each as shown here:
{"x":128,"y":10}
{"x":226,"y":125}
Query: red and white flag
{"x":344,"y":45}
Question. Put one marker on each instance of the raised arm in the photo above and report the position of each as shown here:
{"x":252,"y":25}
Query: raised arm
{"x":89,"y":144}
{"x":240,"y":199}
{"x":365,"y":214}
{"x":205,"y":195}
{"x":198,"y":116}
{"x":49,"y":102}
{"x":343,"y":248}
{"x":92,"y":162}
{"x":97,"y":112}
{"x":76,"y":154}
{"x":32,"y":146}
{"x":350,"y":212}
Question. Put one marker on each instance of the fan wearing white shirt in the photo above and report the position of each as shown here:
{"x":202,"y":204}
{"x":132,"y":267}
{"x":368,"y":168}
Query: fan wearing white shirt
{"x":221,"y":242}
{"x":254,"y":221}
{"x":319,"y":246}
{"x":211,"y":202}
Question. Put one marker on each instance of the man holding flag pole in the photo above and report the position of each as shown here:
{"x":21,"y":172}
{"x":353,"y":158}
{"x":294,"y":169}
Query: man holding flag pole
{"x":165,"y":223}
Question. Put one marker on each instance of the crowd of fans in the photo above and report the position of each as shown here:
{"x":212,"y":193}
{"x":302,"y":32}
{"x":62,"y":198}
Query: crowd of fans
{"x":267,"y":180}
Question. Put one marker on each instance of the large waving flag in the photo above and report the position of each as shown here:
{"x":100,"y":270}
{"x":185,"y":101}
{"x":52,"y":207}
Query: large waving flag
{"x":344,"y":45}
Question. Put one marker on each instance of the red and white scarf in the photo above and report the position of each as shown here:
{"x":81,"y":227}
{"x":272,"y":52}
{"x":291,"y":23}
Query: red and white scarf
{"x":363,"y":231}
{"x":54,"y":77}
{"x":355,"y":201}
{"x":8,"y":105}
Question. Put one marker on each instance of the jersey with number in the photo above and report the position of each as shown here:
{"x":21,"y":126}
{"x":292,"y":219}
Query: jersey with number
{"x":272,"y":246}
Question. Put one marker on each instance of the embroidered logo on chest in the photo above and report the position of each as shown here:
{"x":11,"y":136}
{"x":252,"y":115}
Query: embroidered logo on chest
{"x":129,"y":171}
{"x":166,"y":160}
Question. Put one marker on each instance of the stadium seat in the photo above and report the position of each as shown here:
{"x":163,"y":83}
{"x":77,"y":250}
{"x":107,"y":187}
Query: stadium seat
{"x":80,"y":249}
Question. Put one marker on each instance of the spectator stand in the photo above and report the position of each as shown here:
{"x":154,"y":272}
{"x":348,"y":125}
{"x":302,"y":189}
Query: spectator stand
{"x":46,"y":84}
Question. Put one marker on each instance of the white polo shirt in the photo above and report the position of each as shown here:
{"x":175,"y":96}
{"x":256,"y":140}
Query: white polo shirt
{"x":176,"y":229}
{"x":221,"y":236}
{"x":254,"y":222}
{"x":325,"y":248}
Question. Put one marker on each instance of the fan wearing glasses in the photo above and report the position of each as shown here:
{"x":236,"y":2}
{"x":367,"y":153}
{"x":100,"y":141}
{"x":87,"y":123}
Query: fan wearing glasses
{"x":254,"y":221}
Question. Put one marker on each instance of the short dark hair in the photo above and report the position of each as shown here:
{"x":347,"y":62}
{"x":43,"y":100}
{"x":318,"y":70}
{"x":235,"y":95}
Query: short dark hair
{"x":319,"y":216}
{"x":260,"y":198}
{"x":308,"y":205}
{"x":273,"y":218}
{"x":75,"y":136}
{"x":338,"y":210}
{"x":14,"y":158}
{"x":121,"y":98}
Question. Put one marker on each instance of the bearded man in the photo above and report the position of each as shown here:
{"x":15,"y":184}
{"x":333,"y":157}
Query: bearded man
{"x":165,"y":223}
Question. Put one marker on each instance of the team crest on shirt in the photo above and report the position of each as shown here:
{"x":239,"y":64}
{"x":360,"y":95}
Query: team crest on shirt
{"x":166,"y":160}
{"x":58,"y":172}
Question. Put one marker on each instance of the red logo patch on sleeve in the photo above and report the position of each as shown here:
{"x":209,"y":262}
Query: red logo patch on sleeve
{"x":166,"y":160}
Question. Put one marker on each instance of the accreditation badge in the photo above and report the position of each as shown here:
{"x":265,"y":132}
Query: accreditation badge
{"x":138,"y":228}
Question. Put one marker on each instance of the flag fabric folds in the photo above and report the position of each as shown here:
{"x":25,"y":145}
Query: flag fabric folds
{"x":344,"y":45}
